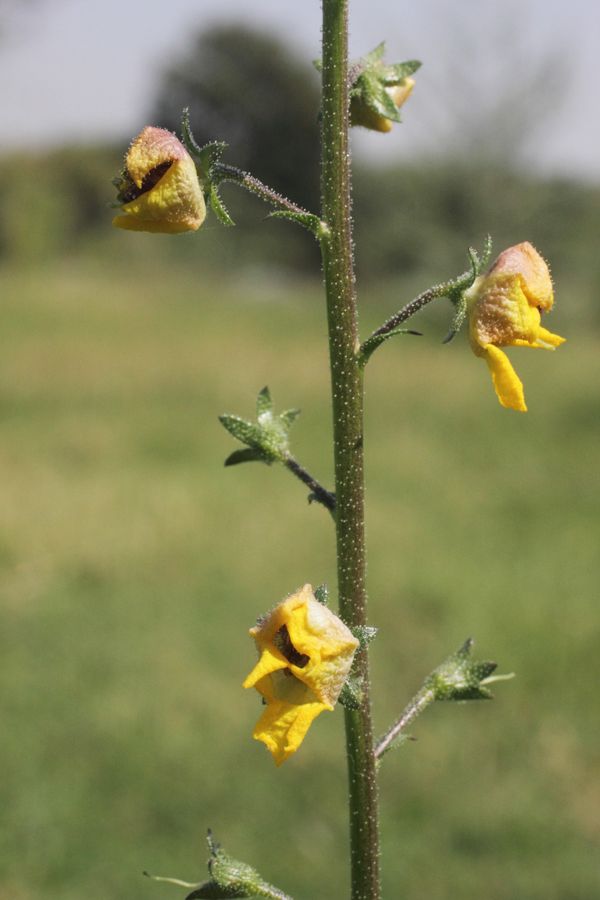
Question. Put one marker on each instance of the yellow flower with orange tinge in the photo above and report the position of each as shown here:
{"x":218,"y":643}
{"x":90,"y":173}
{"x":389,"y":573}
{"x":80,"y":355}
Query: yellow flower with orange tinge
{"x":306,"y":653}
{"x":161,"y":186}
{"x":504,"y":309}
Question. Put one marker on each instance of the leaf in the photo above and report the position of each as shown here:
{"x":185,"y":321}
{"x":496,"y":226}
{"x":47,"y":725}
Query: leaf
{"x":264,"y":402}
{"x":322,"y":594}
{"x":396,"y":73}
{"x":246,"y":454}
{"x":218,"y":208}
{"x":375,"y":55}
{"x":459,"y":317}
{"x":397,"y":742}
{"x":375,"y":341}
{"x":460,"y":678}
{"x":289,"y":417}
{"x":242,"y":430}
{"x":351,"y":694}
{"x":186,"y":135}
{"x":212,"y":153}
{"x":364,"y":634}
{"x":307,"y":220}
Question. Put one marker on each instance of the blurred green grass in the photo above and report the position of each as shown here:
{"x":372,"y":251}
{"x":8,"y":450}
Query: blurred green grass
{"x":132,"y":564}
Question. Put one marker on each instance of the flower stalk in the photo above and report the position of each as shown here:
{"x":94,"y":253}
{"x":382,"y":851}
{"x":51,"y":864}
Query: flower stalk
{"x":347,"y":403}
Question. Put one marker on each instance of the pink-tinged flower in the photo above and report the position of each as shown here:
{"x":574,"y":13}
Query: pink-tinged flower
{"x":160,"y":186}
{"x":306,"y":653}
{"x":504,"y":309}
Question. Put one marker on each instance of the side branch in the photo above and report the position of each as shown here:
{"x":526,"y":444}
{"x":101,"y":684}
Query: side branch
{"x":416,"y":706}
{"x":252,"y":184}
{"x":440,"y":290}
{"x":323,"y":496}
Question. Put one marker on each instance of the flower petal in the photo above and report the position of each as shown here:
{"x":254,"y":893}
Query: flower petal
{"x":174,"y":205}
{"x":152,"y":148}
{"x":270,"y":661}
{"x":283,"y":726}
{"x":506,"y":382}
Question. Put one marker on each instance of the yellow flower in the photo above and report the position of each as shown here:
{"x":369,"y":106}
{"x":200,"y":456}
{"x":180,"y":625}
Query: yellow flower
{"x":163,"y":188}
{"x":306,"y":653}
{"x":504,"y":309}
{"x":365,"y":116}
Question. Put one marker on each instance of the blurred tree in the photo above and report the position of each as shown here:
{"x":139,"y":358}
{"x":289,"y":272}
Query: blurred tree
{"x":246,"y":88}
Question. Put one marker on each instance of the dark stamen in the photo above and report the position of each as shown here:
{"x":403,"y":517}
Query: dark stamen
{"x":283,"y":642}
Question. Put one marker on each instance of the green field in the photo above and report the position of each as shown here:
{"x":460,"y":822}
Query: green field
{"x":133,"y":564}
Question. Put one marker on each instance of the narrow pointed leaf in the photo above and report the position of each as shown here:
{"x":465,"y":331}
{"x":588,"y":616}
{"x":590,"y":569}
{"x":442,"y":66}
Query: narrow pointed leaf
{"x":264,"y":402}
{"x":396,"y":73}
{"x":243,"y":431}
{"x":246,"y":454}
{"x":218,"y":208}
{"x":375,"y":55}
{"x":307,"y":220}
{"x":289,"y":417}
{"x":351,"y":694}
{"x":365,"y":634}
{"x":187,"y":137}
{"x":376,"y":340}
{"x":322,"y":594}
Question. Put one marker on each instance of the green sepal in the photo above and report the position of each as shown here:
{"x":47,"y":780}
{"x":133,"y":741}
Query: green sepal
{"x":364,"y":634}
{"x":460,"y":314}
{"x":207,"y":156}
{"x":218,"y":208}
{"x":212,"y":153}
{"x":246,"y":454}
{"x":460,"y":678}
{"x":454,"y":291}
{"x":322,"y":594}
{"x":267,"y":438}
{"x":351,"y":694}
{"x":264,"y":402}
{"x":376,"y":340}
{"x":396,"y":73}
{"x":307,"y":220}
{"x":371,"y":77}
{"x":187,"y":137}
{"x":289,"y":416}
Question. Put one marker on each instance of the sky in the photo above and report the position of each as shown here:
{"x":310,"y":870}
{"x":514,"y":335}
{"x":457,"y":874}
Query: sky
{"x":80,"y":70}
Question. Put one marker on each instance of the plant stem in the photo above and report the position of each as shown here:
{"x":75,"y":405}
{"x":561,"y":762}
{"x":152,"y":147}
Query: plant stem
{"x":416,"y":706}
{"x":411,"y":308}
{"x":347,"y":399}
{"x":322,"y":495}
{"x":252,"y":184}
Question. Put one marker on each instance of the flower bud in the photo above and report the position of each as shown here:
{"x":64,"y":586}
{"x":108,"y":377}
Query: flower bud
{"x":306,"y":653}
{"x":504,"y":309}
{"x":362,"y":114}
{"x":160,"y":186}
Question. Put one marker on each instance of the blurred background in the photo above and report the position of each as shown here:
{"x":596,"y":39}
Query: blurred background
{"x":132,"y":563}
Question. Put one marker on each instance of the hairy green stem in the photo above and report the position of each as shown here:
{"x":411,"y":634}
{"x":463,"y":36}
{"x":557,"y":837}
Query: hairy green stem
{"x":411,"y":711}
{"x":252,"y":184}
{"x":347,"y":400}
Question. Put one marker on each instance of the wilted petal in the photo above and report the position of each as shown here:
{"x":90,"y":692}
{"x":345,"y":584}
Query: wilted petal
{"x":505,"y":310}
{"x":306,"y":653}
{"x":169,"y":198}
